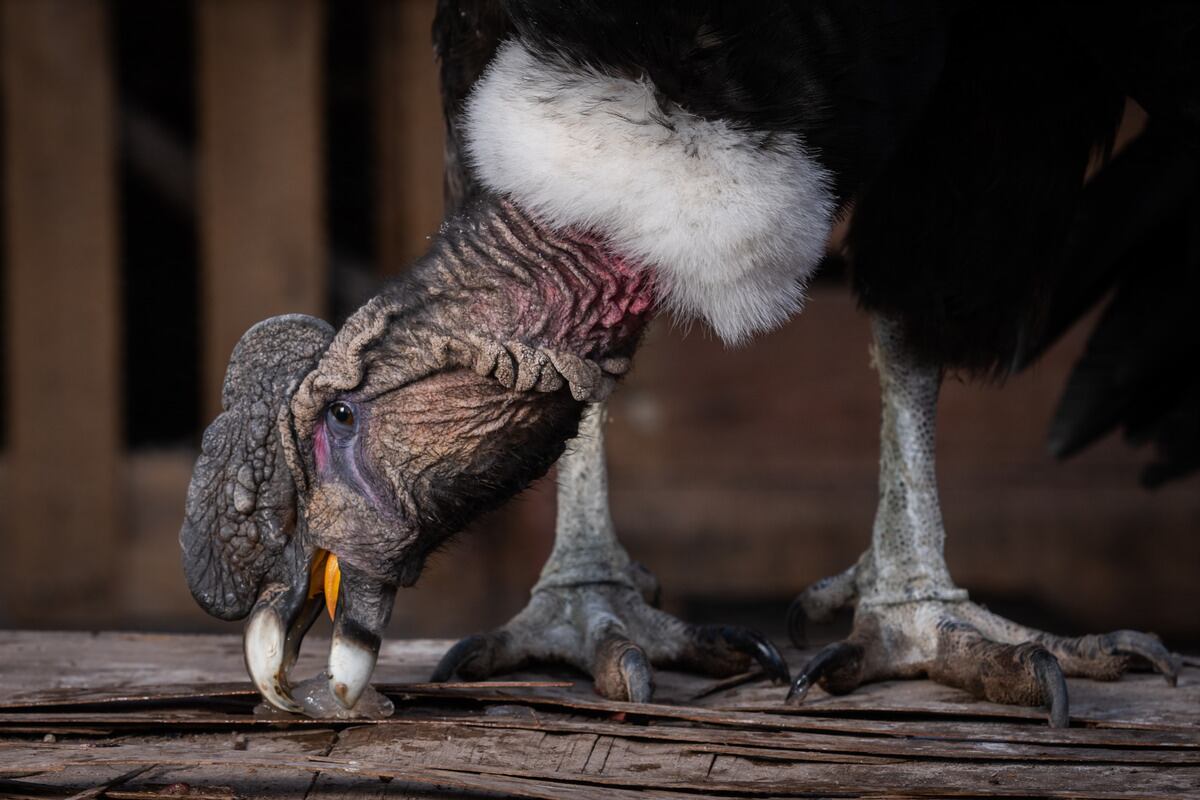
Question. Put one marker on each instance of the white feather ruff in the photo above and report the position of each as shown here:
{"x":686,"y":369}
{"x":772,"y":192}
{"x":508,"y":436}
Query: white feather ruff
{"x":732,"y":221}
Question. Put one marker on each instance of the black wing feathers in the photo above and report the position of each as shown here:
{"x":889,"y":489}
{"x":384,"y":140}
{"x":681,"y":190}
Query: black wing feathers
{"x":962,"y":234}
{"x":1153,"y":51}
{"x":1139,"y":369}
{"x":1121,"y":211}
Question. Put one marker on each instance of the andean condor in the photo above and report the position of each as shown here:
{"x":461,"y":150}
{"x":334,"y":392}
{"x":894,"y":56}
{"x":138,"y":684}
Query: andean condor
{"x":612,"y":160}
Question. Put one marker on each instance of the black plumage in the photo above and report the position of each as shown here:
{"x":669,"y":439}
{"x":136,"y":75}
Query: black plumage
{"x":847,"y":75}
{"x":1136,"y":241}
{"x":962,"y":134}
{"x":962,"y":234}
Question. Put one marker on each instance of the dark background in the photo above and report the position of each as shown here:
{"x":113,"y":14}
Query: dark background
{"x":175,"y":171}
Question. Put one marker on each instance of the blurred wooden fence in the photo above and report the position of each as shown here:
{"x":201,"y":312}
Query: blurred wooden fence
{"x":74,"y":502}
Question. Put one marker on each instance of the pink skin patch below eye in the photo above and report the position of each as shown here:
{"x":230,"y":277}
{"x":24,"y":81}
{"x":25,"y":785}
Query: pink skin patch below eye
{"x":321,"y":447}
{"x":321,"y":455}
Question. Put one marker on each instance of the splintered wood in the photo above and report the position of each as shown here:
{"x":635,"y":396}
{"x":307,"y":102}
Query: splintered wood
{"x":139,"y":716}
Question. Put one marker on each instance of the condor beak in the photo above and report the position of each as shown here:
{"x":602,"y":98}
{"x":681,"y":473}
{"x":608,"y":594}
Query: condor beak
{"x":359,"y":607}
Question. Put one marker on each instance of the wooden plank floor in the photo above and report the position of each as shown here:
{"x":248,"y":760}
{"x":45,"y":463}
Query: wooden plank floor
{"x":135,"y":716}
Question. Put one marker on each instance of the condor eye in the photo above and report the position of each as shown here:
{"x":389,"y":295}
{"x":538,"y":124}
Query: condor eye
{"x":341,"y":417}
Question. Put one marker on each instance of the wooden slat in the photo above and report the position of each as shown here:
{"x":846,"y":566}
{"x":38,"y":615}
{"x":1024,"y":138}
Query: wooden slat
{"x":530,"y":764}
{"x":62,"y":520}
{"x":408,"y":131}
{"x":262,"y":230}
{"x":556,"y":741}
{"x":113,"y":672}
{"x":864,"y":742}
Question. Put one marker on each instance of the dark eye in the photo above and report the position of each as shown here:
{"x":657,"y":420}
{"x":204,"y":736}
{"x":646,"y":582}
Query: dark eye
{"x":341,"y":417}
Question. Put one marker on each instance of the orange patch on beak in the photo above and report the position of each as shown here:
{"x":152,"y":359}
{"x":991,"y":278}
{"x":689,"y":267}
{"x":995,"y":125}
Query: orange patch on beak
{"x":324,"y":577}
{"x":333,"y":581}
{"x":316,"y":574}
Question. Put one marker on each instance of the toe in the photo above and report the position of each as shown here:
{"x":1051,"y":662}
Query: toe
{"x":1107,"y":656}
{"x":1146,"y":646}
{"x":724,"y":650}
{"x":820,"y":601}
{"x":646,"y":583}
{"x":476,"y":658}
{"x":621,"y":670}
{"x":1024,"y":674}
{"x":837,"y":667}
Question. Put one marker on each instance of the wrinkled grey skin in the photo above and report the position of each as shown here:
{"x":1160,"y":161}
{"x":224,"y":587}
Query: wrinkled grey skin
{"x":241,"y":504}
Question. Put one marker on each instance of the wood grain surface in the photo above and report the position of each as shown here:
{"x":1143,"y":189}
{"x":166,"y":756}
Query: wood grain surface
{"x":135,"y":715}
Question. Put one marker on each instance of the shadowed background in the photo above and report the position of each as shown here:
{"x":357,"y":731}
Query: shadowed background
{"x":176,"y":171}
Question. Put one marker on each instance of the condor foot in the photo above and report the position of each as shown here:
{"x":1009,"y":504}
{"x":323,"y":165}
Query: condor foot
{"x":611,"y":632}
{"x":961,"y":644}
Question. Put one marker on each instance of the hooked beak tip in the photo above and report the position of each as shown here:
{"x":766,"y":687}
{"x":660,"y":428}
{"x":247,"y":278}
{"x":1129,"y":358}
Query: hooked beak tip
{"x":264,"y":647}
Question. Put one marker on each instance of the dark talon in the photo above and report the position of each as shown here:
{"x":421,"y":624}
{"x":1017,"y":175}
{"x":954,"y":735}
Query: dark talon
{"x":461,"y":655}
{"x":799,"y":690}
{"x":621,"y":670}
{"x":724,"y":650}
{"x":1143,"y":645}
{"x":639,"y":677}
{"x":839,"y":664}
{"x":1054,"y":688}
{"x":796,"y":619}
{"x":753,"y":643}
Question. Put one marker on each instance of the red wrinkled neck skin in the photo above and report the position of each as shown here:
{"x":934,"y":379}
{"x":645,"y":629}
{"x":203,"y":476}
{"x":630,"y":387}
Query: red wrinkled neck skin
{"x":563,"y":290}
{"x":591,"y":315}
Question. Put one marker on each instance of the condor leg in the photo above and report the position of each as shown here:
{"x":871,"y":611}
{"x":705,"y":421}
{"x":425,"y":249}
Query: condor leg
{"x":910,"y":620}
{"x":592,"y":607}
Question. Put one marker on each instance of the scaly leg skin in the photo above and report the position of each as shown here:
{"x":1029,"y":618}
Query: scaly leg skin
{"x":910,"y":620}
{"x":592,"y":607}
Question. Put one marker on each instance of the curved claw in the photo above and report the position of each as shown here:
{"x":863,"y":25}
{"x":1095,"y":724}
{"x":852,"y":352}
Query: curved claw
{"x":1054,"y":687}
{"x":638,"y":676}
{"x":724,"y":650}
{"x":1143,"y":645}
{"x":622,"y":670}
{"x":470,"y":657}
{"x":760,"y":648}
{"x":838,"y":664}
